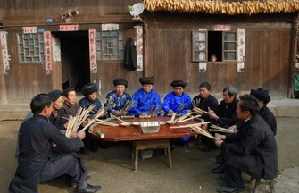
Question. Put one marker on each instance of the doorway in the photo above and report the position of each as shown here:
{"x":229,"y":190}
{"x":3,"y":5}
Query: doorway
{"x":74,"y":59}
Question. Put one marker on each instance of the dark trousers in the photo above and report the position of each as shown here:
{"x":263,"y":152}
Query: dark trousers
{"x":233,"y":177}
{"x":28,"y":174}
{"x":69,"y":164}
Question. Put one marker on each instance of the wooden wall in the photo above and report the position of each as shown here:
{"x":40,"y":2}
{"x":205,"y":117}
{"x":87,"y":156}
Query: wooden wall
{"x":268,"y":47}
{"x":167,"y":46}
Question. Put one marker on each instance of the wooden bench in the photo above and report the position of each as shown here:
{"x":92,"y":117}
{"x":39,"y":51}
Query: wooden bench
{"x":151,"y":144}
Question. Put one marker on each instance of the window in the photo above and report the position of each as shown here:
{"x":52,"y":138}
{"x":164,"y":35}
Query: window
{"x":221,"y":44}
{"x":31,"y":48}
{"x":110,"y":45}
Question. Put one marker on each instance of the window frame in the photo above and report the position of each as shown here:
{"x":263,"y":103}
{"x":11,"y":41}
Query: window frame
{"x":120,"y":46}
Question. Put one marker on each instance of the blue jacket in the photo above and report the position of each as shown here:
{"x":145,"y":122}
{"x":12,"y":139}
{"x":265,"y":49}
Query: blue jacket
{"x":85,"y":103}
{"x":173,"y":102}
{"x":144,"y":101}
{"x":119,"y":101}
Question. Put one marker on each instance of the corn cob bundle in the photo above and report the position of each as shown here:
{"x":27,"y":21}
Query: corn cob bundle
{"x":191,"y":118}
{"x":76,"y":121}
{"x":107,"y":123}
{"x":209,"y":6}
{"x":201,"y":131}
{"x":94,"y":118}
{"x":216,"y":128}
{"x":201,"y":124}
{"x":128,"y":105}
{"x":184,"y":117}
{"x":110,"y":104}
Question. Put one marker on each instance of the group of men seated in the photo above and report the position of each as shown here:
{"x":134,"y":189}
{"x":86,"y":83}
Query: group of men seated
{"x":46,"y":153}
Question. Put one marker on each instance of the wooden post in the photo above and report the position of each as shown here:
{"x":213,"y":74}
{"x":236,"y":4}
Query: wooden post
{"x":3,"y":94}
{"x":295,"y":34}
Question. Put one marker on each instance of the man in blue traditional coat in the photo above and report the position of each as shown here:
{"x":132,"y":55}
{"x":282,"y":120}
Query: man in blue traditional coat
{"x":177,"y":101}
{"x":146,"y":98}
{"x":37,"y":160}
{"x":118,"y":97}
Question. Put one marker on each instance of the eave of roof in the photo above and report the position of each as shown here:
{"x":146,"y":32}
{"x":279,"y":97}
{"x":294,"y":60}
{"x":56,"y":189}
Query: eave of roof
{"x":220,"y":7}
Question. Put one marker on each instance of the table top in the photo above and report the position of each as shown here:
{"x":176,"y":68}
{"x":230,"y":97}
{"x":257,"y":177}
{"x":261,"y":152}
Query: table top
{"x":126,"y":133}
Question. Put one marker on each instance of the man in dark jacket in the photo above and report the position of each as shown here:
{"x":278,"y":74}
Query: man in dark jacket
{"x":206,"y":102}
{"x":264,"y":98}
{"x":252,"y":150}
{"x":37,"y":162}
{"x":227,"y":114}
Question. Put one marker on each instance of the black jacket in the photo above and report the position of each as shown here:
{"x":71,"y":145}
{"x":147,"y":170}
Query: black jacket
{"x":269,"y":118}
{"x":253,"y":149}
{"x":36,"y":138}
{"x":130,"y":58}
{"x":205,"y":103}
{"x":227,"y":113}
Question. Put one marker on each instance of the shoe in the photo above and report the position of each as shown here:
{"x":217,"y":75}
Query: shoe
{"x":89,"y":189}
{"x":218,"y":170}
{"x":228,"y":189}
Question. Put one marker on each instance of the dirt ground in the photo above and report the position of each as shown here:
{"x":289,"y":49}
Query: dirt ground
{"x":112,"y":167}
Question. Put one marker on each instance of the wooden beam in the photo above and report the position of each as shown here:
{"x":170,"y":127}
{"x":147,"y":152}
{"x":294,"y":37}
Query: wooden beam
{"x":295,"y":34}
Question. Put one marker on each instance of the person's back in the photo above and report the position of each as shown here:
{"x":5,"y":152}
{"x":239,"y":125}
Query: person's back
{"x":269,"y":117}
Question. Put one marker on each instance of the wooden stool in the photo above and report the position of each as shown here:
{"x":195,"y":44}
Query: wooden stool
{"x":151,"y":144}
{"x":257,"y":183}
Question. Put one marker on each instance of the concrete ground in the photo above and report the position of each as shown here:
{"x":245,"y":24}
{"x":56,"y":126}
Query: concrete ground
{"x":112,"y":167}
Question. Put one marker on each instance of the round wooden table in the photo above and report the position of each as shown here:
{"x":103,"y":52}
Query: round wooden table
{"x":142,"y":141}
{"x":127,"y":133}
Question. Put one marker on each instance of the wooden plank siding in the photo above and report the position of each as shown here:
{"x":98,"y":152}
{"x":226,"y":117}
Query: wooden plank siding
{"x":167,"y":48}
{"x":266,"y":65}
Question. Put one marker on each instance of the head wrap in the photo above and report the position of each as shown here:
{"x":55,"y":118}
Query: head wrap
{"x":261,"y":94}
{"x":178,"y":83}
{"x":147,"y":80}
{"x":55,"y":94}
{"x":120,"y":81}
{"x":67,"y":90}
{"x":89,"y":89}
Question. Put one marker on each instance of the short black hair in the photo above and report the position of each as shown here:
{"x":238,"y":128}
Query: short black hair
{"x":205,"y":85}
{"x":249,"y":103}
{"x":231,"y":91}
{"x":39,"y":102}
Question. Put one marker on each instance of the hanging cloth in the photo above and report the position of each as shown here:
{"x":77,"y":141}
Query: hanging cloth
{"x":130,"y":58}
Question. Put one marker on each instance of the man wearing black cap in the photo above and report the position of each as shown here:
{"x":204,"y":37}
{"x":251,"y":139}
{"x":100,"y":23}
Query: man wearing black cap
{"x":146,"y":98}
{"x":264,"y":98}
{"x":90,"y":93}
{"x":37,"y":162}
{"x":118,"y":97}
{"x":177,"y":100}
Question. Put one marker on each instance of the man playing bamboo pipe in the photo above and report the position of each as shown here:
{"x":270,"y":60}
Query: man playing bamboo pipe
{"x":90,"y":92}
{"x":252,"y":150}
{"x":145,"y":97}
{"x":206,"y":102}
{"x":227,"y":114}
{"x":177,"y":100}
{"x":118,"y":97}
{"x":37,"y":161}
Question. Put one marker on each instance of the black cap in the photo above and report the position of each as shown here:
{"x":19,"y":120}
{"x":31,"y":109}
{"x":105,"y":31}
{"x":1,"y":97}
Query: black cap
{"x":147,"y":80}
{"x":261,"y":94}
{"x":89,"y":89}
{"x":55,"y":94}
{"x":178,"y":83}
{"x":120,"y":81}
